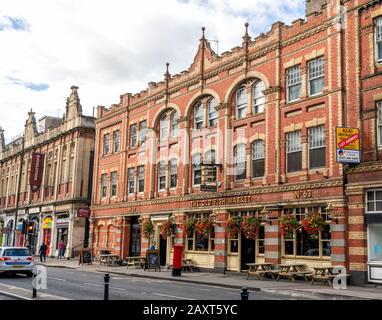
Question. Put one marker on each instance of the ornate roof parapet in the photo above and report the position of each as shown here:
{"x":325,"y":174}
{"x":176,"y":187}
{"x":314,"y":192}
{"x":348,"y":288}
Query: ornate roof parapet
{"x":30,"y":128}
{"x":2,"y":140}
{"x":73,"y":106}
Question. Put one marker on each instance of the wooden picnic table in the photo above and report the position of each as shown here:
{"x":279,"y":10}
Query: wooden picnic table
{"x":259,"y":270}
{"x":327,"y":274}
{"x":138,"y":262}
{"x":187,"y":264}
{"x":290,"y":271}
{"x":109,"y":259}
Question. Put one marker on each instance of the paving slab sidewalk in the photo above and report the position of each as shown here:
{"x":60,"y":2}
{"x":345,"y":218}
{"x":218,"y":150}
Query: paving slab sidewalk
{"x":234,"y":280}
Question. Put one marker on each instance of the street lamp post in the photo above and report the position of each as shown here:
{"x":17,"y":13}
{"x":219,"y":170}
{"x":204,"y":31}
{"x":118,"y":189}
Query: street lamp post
{"x":18,"y":188}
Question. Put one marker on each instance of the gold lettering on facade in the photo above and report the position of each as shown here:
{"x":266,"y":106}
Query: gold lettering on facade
{"x":303,"y":194}
{"x":221,"y":201}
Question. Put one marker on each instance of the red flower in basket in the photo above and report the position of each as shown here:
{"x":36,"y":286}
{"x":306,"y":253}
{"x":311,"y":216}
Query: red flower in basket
{"x":250,"y":227}
{"x":167,"y":229}
{"x":204,"y":228}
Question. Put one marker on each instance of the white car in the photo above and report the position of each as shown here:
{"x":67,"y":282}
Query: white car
{"x":16,"y":260}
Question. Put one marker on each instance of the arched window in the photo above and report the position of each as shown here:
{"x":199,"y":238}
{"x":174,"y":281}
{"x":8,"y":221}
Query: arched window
{"x":161,"y":175}
{"x":163,"y":126}
{"x":174,"y":119}
{"x":241,"y":102}
{"x":198,"y":115}
{"x":196,"y":168}
{"x":212,"y":113}
{"x":240,"y":162}
{"x":173,"y":173}
{"x":258,"y":97}
{"x":258,"y":158}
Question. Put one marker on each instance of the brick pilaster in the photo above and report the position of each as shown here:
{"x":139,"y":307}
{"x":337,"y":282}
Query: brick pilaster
{"x":273,"y":236}
{"x":220,"y":251}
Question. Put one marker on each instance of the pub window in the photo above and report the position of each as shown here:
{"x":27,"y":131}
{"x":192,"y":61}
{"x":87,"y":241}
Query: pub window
{"x":198,"y":114}
{"x":116,"y":141}
{"x":258,"y":158}
{"x":173,"y":173}
{"x":196,"y":169}
{"x":294,"y":154}
{"x":316,"y":76}
{"x":304,"y":244}
{"x":240,"y":162}
{"x":212,"y":113}
{"x":258,"y":97}
{"x":141,"y":178}
{"x":113,"y":190}
{"x":106,"y":144}
{"x":133,"y":135}
{"x":317,"y":150}
{"x":293,"y":79}
{"x":379,"y":122}
{"x":378,"y":38}
{"x":103,"y":185}
{"x":241,"y":102}
{"x":130,"y":179}
{"x":374,"y":201}
{"x":260,"y":242}
{"x":161,"y":175}
{"x":142,"y":132}
{"x":163,"y":127}
{"x":196,"y":242}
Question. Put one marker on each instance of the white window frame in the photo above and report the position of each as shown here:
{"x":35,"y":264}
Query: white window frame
{"x":198,"y":110}
{"x":374,"y":201}
{"x":133,"y":137}
{"x":174,"y":125}
{"x":241,"y":93}
{"x":316,"y":71}
{"x":379,"y":123}
{"x":212,"y":113}
{"x":240,"y":158}
{"x":293,"y":144}
{"x":173,"y":171}
{"x":316,"y":142}
{"x":142,"y":131}
{"x":293,"y":78}
{"x":258,"y":97}
{"x":106,"y":144}
{"x":378,"y":39}
{"x":103,"y":185}
{"x":113,"y":182}
{"x":116,"y":141}
{"x":141,"y":177}
{"x":194,"y":167}
{"x":161,"y":175}
{"x":130,"y":178}
{"x":258,"y":153}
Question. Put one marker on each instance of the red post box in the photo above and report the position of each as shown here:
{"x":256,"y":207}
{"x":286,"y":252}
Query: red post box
{"x":177,"y":260}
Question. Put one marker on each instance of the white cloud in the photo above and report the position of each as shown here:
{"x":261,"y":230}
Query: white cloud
{"x":111,"y":47}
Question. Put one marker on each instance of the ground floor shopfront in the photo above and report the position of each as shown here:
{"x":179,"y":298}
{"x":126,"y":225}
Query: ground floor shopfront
{"x":47,"y":224}
{"x":120,"y":228}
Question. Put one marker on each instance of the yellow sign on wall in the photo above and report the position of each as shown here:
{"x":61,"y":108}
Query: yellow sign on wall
{"x":348,"y":145}
{"x":47,"y":223}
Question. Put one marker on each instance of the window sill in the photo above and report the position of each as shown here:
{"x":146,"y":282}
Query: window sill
{"x":294,"y":173}
{"x":315,"y":95}
{"x":306,"y":257}
{"x":201,"y":252}
{"x":293,"y":101}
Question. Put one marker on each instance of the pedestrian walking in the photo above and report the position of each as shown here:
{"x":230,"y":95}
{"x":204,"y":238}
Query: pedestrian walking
{"x":42,"y":252}
{"x":61,"y":250}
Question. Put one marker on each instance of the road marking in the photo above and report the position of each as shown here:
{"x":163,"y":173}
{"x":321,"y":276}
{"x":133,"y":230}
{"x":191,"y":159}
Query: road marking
{"x":58,"y":279}
{"x":176,"y":297}
{"x":93,"y":284}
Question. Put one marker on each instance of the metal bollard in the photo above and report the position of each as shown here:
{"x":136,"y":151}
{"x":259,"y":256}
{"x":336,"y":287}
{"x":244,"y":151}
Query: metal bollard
{"x":244,"y":293}
{"x":34,"y":285}
{"x":106,"y":292}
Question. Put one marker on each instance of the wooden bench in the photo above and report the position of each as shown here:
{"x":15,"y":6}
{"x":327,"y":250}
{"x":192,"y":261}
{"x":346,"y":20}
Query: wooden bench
{"x":187,"y":265}
{"x":259,"y":270}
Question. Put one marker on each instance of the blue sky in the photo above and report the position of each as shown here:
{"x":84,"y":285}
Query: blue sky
{"x":116,"y":47}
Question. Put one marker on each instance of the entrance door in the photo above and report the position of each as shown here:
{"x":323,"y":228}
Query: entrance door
{"x":47,"y":237}
{"x":162,"y":250}
{"x":135,"y":238}
{"x":248,"y":252}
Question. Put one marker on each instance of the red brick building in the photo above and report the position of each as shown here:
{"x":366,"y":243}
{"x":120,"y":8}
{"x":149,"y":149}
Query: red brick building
{"x":267,"y":112}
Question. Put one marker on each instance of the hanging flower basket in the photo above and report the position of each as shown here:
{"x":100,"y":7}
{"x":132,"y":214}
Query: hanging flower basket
{"x":234,"y":226}
{"x":189,"y":227}
{"x":250,"y":227}
{"x":204,"y":228}
{"x":313,"y":224}
{"x":167,"y":229}
{"x":148,"y":228}
{"x":289,"y":224}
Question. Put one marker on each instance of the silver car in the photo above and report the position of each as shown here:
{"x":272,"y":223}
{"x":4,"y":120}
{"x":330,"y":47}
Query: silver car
{"x":16,"y":260}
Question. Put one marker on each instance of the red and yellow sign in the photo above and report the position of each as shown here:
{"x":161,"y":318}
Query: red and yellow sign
{"x":348,"y":145}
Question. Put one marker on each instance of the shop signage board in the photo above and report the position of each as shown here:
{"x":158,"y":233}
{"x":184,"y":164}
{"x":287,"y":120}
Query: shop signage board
{"x":152,"y":260}
{"x":37,"y":169}
{"x":47,"y":223}
{"x":83,"y":212}
{"x":209,"y":181}
{"x":85,"y":256}
{"x":348,"y":145}
{"x":62,"y":221}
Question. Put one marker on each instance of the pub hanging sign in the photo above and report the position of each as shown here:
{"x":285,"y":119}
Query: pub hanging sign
{"x":209,"y":181}
{"x":37,"y":169}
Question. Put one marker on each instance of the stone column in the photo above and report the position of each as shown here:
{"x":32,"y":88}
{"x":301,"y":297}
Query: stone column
{"x":248,"y":166}
{"x":220,"y":251}
{"x":249,"y":88}
{"x":273,"y":236}
{"x":304,"y":156}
